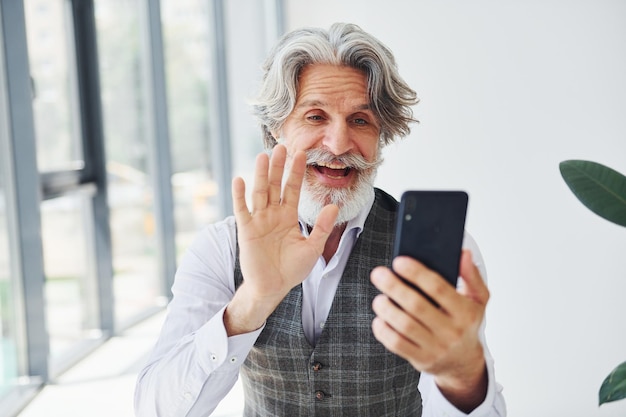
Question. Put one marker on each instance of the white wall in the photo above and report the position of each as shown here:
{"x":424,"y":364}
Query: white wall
{"x":508,"y":90}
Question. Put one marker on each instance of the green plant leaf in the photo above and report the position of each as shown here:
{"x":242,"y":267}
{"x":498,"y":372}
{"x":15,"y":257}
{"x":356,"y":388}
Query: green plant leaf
{"x":600,"y":188}
{"x":614,"y":386}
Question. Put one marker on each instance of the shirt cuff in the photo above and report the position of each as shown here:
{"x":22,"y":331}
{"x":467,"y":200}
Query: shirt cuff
{"x":443,"y":408}
{"x":216,"y":350}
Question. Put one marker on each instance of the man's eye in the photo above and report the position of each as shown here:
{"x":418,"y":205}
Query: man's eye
{"x":315,"y":117}
{"x":360,"y":121}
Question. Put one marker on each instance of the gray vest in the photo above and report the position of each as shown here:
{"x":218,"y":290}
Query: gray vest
{"x":348,"y":372}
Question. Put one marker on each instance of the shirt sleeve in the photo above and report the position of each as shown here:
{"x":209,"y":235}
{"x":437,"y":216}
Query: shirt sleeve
{"x":194,"y":363}
{"x":434,"y":403}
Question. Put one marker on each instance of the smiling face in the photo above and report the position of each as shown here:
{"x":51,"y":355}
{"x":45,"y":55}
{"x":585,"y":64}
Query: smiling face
{"x":332,"y":121}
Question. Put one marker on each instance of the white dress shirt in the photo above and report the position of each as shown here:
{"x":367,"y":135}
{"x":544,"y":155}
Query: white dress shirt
{"x":195,"y":364}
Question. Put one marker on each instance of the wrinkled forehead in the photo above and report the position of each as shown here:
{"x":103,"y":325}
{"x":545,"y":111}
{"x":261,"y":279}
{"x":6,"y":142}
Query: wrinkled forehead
{"x":326,"y":84}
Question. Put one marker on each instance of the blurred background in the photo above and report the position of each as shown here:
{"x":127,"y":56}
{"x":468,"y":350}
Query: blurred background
{"x":123,"y":121}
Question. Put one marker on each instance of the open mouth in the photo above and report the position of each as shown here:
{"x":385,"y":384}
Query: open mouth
{"x":333,"y":171}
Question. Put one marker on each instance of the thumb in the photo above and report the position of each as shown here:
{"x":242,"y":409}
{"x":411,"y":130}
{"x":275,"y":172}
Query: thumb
{"x":323,"y":227}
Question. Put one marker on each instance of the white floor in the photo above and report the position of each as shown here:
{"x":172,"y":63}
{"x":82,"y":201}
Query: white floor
{"x":103,"y":384}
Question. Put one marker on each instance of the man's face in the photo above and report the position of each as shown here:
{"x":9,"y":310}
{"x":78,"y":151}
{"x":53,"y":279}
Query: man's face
{"x":333,"y":122}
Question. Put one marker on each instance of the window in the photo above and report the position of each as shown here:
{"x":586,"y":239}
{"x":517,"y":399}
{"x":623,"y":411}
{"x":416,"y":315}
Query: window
{"x":50,"y":46}
{"x":70,"y":298}
{"x":247,"y":51}
{"x":187,"y":40}
{"x":195,"y":103}
{"x":8,"y":337}
{"x":101,"y":97}
{"x":65,"y":223}
{"x":137,"y":284}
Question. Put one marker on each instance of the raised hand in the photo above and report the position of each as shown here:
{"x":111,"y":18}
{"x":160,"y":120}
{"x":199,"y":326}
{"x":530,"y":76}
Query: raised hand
{"x":273,"y":254}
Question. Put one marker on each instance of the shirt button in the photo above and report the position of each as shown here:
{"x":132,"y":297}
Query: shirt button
{"x":320,"y":395}
{"x":322,"y":323}
{"x":187,"y":396}
{"x":213,"y":357}
{"x":233,"y":359}
{"x":317,"y":366}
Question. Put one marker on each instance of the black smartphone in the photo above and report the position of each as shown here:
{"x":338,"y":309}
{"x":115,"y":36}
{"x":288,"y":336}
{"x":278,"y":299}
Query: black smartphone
{"x":429,"y":227}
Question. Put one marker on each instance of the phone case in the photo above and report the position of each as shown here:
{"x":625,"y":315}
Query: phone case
{"x":429,"y":227}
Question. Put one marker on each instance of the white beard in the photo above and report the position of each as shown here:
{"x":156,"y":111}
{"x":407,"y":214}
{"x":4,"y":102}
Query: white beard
{"x":349,"y":201}
{"x":314,"y":196}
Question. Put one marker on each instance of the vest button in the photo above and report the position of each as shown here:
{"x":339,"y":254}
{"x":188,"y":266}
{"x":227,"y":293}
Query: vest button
{"x":317,"y":366}
{"x":320,"y":395}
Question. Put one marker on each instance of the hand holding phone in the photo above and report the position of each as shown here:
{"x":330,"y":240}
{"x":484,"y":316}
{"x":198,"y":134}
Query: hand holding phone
{"x":429,"y":227}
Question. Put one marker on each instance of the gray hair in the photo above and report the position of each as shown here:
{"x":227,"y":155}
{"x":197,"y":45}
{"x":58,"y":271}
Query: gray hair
{"x":343,"y":44}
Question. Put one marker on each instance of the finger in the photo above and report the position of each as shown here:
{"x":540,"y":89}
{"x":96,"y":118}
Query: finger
{"x":240,"y":208}
{"x":396,"y":343}
{"x":275,"y":178}
{"x":401,"y":321}
{"x":475,"y":287}
{"x":427,"y":280}
{"x":387,"y":335}
{"x":324,"y":225}
{"x":259,"y":190}
{"x":291,"y":193}
{"x":406,"y":297}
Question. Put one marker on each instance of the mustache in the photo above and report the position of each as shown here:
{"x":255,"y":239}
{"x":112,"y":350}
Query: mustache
{"x":321,"y":156}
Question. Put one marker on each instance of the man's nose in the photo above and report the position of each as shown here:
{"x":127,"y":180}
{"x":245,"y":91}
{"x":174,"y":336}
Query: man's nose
{"x":338,"y":138}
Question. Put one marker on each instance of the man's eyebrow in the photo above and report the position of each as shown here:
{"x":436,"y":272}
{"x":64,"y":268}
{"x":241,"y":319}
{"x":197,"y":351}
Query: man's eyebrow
{"x":365,"y":106}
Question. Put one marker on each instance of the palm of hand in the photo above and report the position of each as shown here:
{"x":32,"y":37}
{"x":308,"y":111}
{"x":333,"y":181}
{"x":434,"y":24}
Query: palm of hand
{"x":274,"y":255}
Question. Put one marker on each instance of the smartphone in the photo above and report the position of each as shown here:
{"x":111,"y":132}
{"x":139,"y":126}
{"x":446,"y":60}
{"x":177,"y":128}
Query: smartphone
{"x":429,"y":227}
